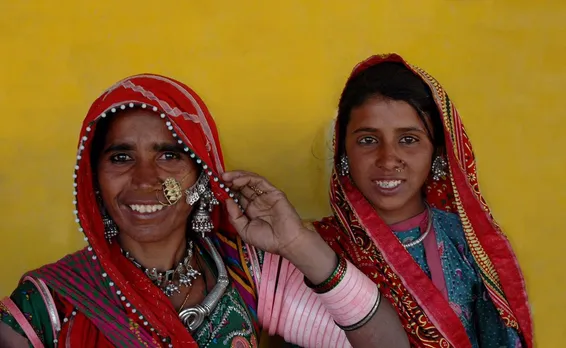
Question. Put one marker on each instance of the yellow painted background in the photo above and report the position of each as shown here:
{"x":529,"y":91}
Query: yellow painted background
{"x":271,"y":73}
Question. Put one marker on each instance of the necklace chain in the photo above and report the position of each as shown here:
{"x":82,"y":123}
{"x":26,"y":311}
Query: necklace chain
{"x":191,"y":317}
{"x":184,"y":302}
{"x":172,"y":280}
{"x":422,"y":236}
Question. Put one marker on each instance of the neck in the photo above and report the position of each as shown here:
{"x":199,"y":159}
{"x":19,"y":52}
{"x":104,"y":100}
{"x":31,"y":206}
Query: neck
{"x":162,"y":255}
{"x":409,"y":210}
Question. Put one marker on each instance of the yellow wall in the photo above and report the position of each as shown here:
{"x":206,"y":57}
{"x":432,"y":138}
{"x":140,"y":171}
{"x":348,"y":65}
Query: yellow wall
{"x":271,"y":73}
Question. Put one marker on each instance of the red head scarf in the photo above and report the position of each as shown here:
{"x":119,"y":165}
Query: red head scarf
{"x":378,"y":253}
{"x":105,"y":287}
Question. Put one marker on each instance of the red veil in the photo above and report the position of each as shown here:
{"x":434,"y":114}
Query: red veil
{"x":115,"y":302}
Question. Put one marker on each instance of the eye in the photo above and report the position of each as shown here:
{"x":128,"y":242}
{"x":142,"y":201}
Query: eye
{"x":120,"y":158}
{"x":168,"y":156}
{"x":367,"y":140}
{"x":408,"y":139}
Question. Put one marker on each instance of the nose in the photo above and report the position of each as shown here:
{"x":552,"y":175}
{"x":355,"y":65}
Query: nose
{"x":145,"y":176}
{"x":387,"y":157}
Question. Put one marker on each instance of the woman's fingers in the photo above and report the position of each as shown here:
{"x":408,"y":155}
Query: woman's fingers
{"x":244,"y":203}
{"x":238,"y":179}
{"x":237,"y":218}
{"x":256,"y":195}
{"x":231,"y":175}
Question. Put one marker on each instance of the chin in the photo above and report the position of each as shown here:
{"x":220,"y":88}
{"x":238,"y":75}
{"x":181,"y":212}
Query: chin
{"x":146,"y":234}
{"x":388,"y":204}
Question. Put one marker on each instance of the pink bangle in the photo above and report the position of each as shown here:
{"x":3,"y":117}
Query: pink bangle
{"x":366,"y":319}
{"x":353,"y":301}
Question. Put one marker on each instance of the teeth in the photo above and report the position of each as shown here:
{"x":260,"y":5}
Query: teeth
{"x":388,"y":184}
{"x":146,"y":208}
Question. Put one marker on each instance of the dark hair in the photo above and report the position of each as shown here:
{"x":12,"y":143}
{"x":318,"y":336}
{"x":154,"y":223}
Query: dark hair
{"x":98,"y":141}
{"x":393,"y":81}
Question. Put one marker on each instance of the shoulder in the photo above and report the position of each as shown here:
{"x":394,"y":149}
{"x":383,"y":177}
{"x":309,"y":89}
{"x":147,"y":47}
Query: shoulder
{"x":446,"y":216}
{"x":28,"y":297}
{"x":63,"y":266}
{"x":449,"y":223}
{"x":25,"y":291}
{"x":26,"y":303}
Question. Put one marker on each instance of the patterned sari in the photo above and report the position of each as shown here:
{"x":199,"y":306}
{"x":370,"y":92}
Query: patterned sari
{"x":463,"y":224}
{"x":98,"y":298}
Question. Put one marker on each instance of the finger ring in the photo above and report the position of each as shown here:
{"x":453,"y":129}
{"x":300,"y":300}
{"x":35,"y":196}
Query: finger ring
{"x":257,"y":191}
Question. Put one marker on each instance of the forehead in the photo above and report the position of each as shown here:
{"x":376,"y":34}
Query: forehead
{"x":137,"y":125}
{"x":385,"y":113}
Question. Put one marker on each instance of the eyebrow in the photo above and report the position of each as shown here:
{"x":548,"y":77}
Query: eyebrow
{"x":118,"y":147}
{"x":167,"y":147}
{"x":400,"y":130}
{"x":158,"y":147}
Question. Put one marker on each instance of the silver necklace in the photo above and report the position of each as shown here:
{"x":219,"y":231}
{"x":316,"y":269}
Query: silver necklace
{"x":193,"y":317}
{"x":172,"y":280}
{"x":422,"y":236}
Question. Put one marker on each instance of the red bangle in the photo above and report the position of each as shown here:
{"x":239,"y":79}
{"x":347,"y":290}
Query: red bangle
{"x":332,"y":281}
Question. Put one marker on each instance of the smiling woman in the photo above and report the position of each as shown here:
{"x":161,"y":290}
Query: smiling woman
{"x":392,"y":131}
{"x":390,"y":155}
{"x":137,"y":150}
{"x":154,"y":271}
{"x":171,"y":258}
{"x":409,"y":213}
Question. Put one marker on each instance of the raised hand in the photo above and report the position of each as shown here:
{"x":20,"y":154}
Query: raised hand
{"x":269,"y":221}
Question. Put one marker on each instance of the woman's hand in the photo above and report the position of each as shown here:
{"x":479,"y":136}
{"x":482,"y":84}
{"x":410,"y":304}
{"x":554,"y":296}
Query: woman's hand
{"x":269,"y":221}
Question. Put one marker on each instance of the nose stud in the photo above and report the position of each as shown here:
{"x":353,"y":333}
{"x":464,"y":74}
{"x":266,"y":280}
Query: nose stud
{"x":401,"y":167}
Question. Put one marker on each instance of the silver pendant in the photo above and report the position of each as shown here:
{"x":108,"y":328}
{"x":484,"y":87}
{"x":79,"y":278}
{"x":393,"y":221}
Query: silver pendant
{"x":170,"y":281}
{"x":170,"y":289}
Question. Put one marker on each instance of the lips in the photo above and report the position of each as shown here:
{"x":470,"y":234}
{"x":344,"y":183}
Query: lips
{"x":143,"y":210}
{"x":388,"y":184}
{"x":388,"y":187}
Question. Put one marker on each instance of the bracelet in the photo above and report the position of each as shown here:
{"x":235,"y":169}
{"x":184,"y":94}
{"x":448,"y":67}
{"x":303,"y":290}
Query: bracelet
{"x":353,"y":301}
{"x":366,"y":319}
{"x":332,"y":281}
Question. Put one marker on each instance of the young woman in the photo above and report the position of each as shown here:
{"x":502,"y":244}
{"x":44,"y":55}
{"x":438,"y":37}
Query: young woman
{"x":408,"y":212}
